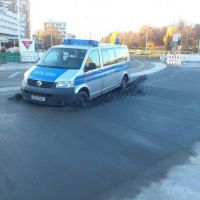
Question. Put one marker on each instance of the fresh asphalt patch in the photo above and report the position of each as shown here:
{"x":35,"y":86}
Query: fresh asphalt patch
{"x":16,"y":97}
{"x":131,"y":90}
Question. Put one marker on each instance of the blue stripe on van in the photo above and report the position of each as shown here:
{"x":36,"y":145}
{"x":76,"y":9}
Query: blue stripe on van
{"x":100,"y":74}
{"x":46,"y":73}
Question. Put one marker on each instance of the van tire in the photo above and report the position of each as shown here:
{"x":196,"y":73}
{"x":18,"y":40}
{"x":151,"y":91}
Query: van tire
{"x":82,"y":99}
{"x":124,"y":83}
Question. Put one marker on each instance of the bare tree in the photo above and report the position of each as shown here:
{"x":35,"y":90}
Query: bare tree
{"x":51,"y":36}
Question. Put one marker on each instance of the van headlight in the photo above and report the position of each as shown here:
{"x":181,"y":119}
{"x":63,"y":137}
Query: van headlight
{"x":64,"y":84}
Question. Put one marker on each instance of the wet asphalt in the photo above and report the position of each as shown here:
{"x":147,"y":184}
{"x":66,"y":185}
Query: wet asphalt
{"x":120,"y":142}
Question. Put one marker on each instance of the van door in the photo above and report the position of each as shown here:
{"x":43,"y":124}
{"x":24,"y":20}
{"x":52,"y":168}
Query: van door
{"x":93,"y":74}
{"x":122,"y":60}
{"x":109,"y":69}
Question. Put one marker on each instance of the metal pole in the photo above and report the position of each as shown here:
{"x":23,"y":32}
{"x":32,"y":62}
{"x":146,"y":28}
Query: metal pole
{"x":18,"y":19}
{"x":0,"y":53}
{"x":147,"y":37}
{"x":199,"y":48}
{"x":51,"y":37}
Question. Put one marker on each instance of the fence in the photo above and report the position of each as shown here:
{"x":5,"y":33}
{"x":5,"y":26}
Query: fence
{"x":181,"y":58}
{"x":9,"y":57}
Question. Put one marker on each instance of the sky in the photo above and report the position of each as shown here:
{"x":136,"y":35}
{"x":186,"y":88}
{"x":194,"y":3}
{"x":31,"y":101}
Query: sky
{"x":97,"y":18}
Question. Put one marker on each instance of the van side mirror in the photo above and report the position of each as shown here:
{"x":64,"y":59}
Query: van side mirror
{"x":90,"y":67}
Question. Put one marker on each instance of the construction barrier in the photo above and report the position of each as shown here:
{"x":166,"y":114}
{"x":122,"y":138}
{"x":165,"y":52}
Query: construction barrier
{"x":163,"y":58}
{"x":17,"y":57}
{"x":173,"y":59}
{"x":9,"y":57}
{"x":29,"y":57}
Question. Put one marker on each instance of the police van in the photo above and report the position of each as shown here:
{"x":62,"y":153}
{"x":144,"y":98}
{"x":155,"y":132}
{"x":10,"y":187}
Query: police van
{"x":76,"y":72}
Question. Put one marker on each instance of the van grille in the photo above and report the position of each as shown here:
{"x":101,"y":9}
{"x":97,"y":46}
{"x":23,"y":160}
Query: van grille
{"x":45,"y":84}
{"x":37,"y":93}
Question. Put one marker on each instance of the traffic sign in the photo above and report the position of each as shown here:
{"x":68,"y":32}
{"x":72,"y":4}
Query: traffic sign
{"x":27,"y":50}
{"x":176,"y":37}
{"x":27,"y":46}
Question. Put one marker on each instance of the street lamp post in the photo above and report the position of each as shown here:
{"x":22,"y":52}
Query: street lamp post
{"x":199,"y":48}
{"x":51,"y":37}
{"x":147,"y":30}
{"x":18,"y":20}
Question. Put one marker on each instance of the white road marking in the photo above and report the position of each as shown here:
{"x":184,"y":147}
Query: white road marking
{"x":14,"y":74}
{"x":9,"y":89}
{"x":158,"y":67}
{"x":15,"y":67}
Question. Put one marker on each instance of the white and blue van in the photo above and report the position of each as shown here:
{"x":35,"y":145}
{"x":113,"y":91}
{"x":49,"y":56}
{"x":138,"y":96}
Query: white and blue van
{"x":76,"y":72}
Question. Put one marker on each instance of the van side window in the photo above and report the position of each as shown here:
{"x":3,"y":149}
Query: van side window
{"x":112,"y":58}
{"x":121,"y":54}
{"x":105,"y":57}
{"x":93,"y":61}
{"x":108,"y":56}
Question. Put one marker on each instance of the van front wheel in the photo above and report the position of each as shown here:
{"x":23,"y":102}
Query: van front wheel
{"x":82,"y":99}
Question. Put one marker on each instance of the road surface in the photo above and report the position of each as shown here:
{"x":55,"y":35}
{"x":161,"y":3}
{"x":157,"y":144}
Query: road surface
{"x":108,"y":151}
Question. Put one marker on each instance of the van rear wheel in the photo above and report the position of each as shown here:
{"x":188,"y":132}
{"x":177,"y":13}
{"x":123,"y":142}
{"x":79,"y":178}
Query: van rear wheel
{"x":82,"y":99}
{"x":124,"y":83}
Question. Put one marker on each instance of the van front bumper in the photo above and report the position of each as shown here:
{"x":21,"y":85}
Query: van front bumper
{"x":48,"y":96}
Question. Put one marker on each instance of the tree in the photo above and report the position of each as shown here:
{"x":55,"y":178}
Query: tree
{"x":155,"y":36}
{"x":129,"y":39}
{"x":158,"y":37}
{"x":196,"y":32}
{"x":196,"y":36}
{"x":51,"y":36}
{"x":106,"y":39}
{"x":168,"y":36}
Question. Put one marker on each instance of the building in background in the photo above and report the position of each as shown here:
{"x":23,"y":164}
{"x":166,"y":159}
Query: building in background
{"x":71,"y":36}
{"x":9,"y":26}
{"x":11,"y":5}
{"x":60,"y":26}
{"x":39,"y":44}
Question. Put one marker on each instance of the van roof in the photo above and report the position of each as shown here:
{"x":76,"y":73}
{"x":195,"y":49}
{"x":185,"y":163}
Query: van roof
{"x":107,"y":45}
{"x":85,"y":44}
{"x":73,"y":47}
{"x":87,"y":47}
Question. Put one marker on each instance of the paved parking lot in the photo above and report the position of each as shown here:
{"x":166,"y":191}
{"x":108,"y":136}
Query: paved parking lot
{"x":121,"y":142}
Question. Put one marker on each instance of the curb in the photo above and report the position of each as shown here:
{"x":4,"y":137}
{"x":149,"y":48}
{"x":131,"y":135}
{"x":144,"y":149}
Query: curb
{"x":158,"y":67}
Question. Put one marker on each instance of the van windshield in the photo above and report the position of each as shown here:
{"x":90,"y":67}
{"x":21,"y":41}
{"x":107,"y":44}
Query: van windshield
{"x":63,"y":58}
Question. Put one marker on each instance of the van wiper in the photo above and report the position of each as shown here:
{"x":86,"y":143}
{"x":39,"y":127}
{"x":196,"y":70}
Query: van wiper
{"x":51,"y":66}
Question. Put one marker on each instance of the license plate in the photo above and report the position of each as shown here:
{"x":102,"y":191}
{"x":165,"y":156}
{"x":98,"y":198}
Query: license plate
{"x":37,"y":98}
